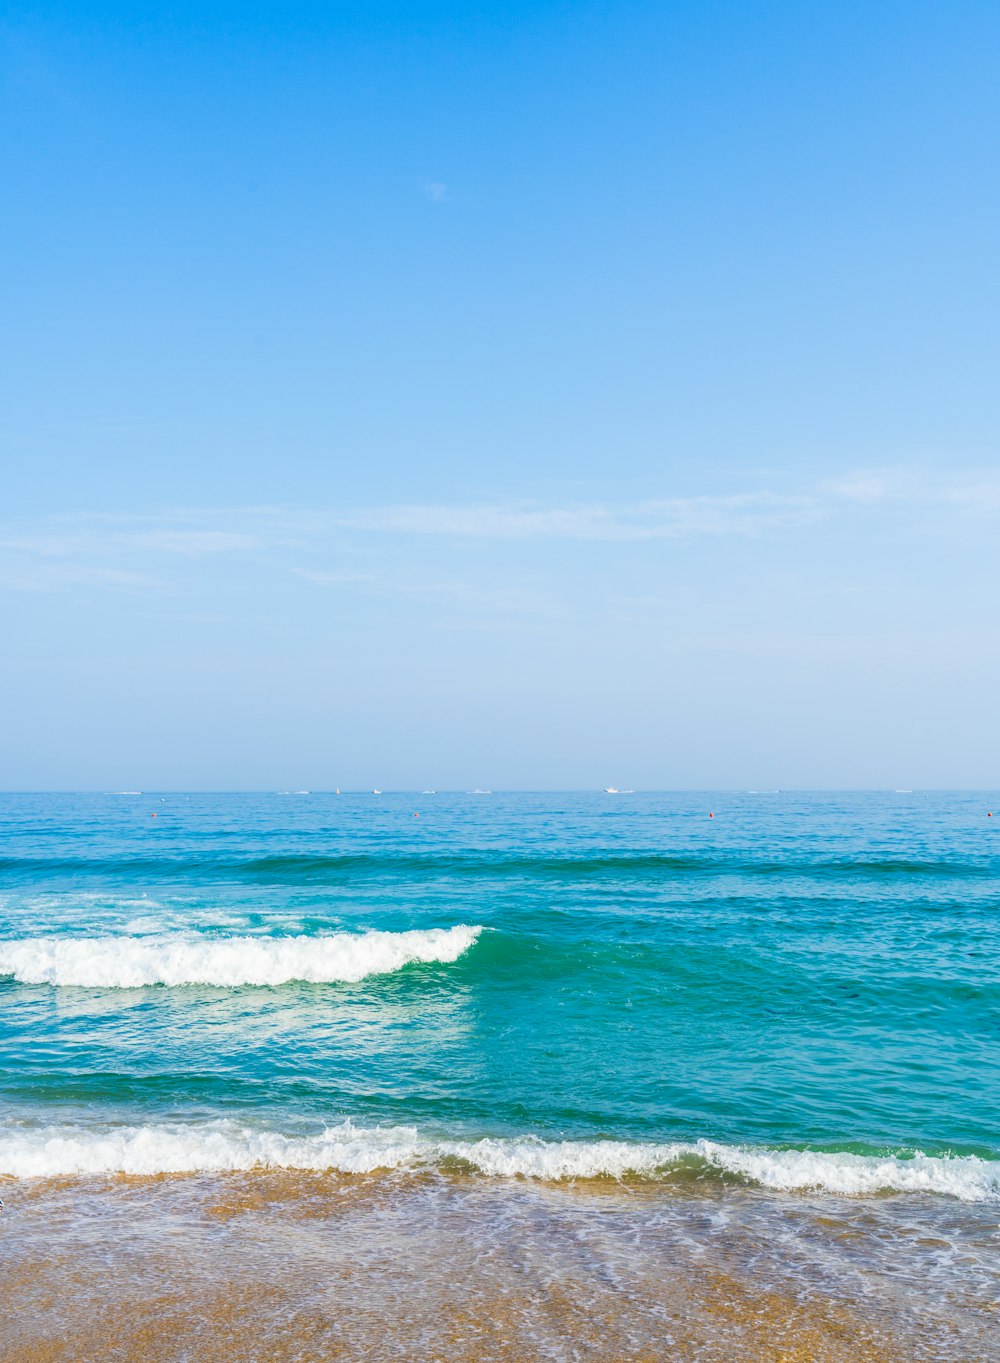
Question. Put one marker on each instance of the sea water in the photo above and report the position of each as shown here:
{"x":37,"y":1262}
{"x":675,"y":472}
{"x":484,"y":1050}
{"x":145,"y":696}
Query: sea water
{"x":791,"y":993}
{"x":797,"y":990}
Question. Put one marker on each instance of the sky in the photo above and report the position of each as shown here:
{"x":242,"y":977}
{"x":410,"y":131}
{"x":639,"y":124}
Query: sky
{"x":526,"y":396}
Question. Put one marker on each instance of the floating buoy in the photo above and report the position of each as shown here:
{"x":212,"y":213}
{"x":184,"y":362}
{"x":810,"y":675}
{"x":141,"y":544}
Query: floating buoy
{"x":711,"y":816}
{"x":153,"y":815}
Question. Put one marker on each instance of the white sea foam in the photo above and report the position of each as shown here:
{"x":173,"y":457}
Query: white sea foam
{"x":28,"y":1151}
{"x":179,"y":959}
{"x":963,"y":1176}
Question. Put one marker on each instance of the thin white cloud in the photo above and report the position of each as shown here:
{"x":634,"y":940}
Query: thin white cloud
{"x":740,"y":514}
{"x":976,"y":489}
{"x":979,"y":494}
{"x":114,"y":550}
{"x":865,"y":488}
{"x":57,"y":575}
{"x":467,"y":596}
{"x":189,"y":542}
{"x":185,"y":532}
{"x":121,"y":552}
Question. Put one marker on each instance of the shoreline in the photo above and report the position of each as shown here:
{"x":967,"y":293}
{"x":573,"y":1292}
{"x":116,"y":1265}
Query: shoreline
{"x":287,"y":1265}
{"x":86,"y":1147}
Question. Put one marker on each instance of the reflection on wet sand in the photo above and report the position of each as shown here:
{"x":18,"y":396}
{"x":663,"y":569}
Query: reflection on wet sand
{"x":291,"y":1266}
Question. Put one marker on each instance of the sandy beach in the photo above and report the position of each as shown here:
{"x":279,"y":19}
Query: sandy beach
{"x":283,"y":1267}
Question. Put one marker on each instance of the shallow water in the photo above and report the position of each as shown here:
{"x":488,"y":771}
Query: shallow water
{"x":282,"y":1265}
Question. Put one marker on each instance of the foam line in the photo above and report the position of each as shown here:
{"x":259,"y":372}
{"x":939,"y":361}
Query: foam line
{"x":28,"y":1151}
{"x":176,"y":959}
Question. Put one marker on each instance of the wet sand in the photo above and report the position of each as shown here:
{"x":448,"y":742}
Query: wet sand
{"x":282,"y":1267}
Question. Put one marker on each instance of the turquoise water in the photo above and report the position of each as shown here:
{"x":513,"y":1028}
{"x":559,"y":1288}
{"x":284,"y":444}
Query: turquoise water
{"x":802,"y":990}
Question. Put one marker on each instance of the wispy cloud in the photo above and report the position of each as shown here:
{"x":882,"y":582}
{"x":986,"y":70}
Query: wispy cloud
{"x":187,"y":542}
{"x":735,"y":514}
{"x":740,"y":514}
{"x":58,"y":575}
{"x":436,"y":191}
{"x":185,"y":532}
{"x":127,"y":552}
{"x":331,"y":544}
{"x":914,"y":488}
{"x":455,"y":592}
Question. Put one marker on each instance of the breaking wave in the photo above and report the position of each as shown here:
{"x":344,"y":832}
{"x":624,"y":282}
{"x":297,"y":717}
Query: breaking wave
{"x":174,"y":959}
{"x":29,"y":1151}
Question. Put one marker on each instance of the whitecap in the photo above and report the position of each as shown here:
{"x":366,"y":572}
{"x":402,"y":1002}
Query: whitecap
{"x":184,"y":959}
{"x":29,"y":1151}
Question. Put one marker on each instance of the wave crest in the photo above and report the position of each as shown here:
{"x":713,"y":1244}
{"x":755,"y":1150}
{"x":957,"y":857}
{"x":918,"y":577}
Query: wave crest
{"x":224,"y":1146}
{"x":133,"y":962}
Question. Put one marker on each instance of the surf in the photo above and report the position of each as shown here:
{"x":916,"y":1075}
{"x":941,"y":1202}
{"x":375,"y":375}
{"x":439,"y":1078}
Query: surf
{"x":224,"y":1145}
{"x":178,"y":959}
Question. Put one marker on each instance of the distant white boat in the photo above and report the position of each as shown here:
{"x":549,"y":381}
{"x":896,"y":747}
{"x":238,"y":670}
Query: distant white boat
{"x":376,"y":792}
{"x":611,"y":790}
{"x":477,"y":791}
{"x":428,"y":792}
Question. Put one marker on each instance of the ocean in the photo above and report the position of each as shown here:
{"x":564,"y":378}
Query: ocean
{"x":754,"y":1036}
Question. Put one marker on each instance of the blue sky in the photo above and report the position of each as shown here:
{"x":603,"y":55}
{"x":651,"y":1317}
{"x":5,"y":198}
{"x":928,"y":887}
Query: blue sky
{"x":499,"y":395}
